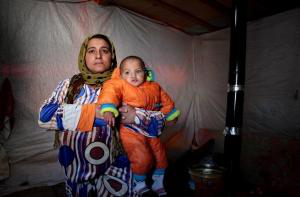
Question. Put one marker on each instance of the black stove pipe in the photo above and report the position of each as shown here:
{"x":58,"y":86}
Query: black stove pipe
{"x":235,"y":97}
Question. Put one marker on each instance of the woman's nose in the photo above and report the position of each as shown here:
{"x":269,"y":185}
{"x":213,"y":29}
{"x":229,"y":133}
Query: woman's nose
{"x":98,"y":54}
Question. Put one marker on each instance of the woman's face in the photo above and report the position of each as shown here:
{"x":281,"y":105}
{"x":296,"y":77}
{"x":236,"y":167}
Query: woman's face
{"x":98,"y":56}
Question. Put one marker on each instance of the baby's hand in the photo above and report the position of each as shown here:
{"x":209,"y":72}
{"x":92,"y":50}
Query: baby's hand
{"x":172,"y":122}
{"x":109,"y":118}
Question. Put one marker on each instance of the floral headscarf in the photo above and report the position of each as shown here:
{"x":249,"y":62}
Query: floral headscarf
{"x":86,"y":76}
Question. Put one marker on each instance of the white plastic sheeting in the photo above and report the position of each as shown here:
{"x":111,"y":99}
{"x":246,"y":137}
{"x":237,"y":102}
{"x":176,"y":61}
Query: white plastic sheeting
{"x":39,"y":47}
{"x":272,"y":81}
{"x":40,"y":44}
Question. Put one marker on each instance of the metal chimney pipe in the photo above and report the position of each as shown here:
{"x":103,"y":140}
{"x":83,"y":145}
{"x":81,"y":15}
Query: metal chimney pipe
{"x":235,"y":96}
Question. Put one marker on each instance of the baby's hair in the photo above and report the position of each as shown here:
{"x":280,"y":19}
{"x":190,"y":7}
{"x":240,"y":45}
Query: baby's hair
{"x":132,"y":57}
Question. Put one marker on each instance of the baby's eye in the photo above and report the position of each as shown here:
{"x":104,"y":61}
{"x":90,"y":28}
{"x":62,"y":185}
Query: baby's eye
{"x":126,"y":73}
{"x":139,"y":71}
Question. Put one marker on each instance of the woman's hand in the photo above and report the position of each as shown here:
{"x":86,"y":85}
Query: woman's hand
{"x":109,"y":118}
{"x":98,"y":113}
{"x":127,"y":114}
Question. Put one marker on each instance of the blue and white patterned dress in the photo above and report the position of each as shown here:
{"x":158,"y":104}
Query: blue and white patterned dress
{"x":89,"y":159}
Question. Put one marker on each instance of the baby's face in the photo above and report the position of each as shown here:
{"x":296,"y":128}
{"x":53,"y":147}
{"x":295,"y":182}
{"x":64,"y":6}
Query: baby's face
{"x":132,"y":72}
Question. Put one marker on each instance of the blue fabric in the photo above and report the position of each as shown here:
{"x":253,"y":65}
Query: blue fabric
{"x":153,"y":127}
{"x":108,"y":105}
{"x":70,"y":187}
{"x":65,"y":155}
{"x":48,"y":111}
{"x":121,"y":162}
{"x":138,"y":177}
{"x":171,"y":112}
{"x":83,"y":191}
{"x":99,"y":122}
{"x":159,"y":171}
{"x":81,"y":93}
{"x":157,"y":106}
{"x":59,"y":122}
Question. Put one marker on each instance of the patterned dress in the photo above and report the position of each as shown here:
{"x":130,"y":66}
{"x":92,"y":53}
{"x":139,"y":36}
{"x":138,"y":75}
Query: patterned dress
{"x":93,"y":162}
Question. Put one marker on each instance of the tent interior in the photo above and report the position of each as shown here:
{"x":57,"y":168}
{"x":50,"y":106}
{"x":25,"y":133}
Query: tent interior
{"x":40,"y":42}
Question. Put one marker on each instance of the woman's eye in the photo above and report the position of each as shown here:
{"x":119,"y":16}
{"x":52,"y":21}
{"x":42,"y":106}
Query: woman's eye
{"x":91,"y":51}
{"x":105,"y":51}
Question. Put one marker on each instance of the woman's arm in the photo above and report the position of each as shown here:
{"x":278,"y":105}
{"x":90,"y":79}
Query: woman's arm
{"x":150,"y":121}
{"x":54,"y":114}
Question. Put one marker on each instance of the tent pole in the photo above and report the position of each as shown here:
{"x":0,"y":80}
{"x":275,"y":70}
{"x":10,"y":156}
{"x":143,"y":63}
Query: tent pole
{"x":235,"y":97}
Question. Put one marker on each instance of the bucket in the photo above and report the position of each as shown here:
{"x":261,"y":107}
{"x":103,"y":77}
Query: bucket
{"x":206,"y":181}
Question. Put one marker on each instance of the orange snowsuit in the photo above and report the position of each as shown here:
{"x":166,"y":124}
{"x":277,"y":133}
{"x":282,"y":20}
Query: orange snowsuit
{"x":140,"y":149}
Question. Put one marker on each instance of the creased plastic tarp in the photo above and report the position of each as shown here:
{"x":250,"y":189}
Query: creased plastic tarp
{"x":272,"y":81}
{"x":39,"y":47}
{"x":40,"y":44}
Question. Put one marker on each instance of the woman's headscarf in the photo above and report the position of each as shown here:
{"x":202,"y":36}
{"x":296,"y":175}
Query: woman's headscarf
{"x":86,"y":76}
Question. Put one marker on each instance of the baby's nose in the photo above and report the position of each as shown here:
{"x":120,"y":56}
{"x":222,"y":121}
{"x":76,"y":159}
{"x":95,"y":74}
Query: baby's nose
{"x":133,"y":75}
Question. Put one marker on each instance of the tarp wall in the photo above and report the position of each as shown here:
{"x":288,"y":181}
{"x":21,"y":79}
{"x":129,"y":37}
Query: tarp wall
{"x":40,"y":44}
{"x":271,"y":119}
{"x":39,"y":47}
{"x":271,"y":86}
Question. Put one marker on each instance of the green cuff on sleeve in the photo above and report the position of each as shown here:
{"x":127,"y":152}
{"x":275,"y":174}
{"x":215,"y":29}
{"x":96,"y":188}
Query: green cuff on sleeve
{"x":173,"y":114}
{"x":110,"y":108}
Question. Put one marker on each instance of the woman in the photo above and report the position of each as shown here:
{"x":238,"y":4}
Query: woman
{"x":90,"y":151}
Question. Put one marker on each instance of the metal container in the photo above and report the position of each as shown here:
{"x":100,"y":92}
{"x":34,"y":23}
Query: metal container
{"x":206,"y":178}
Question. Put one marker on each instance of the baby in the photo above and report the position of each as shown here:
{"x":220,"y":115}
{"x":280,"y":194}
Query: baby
{"x":131,"y":84}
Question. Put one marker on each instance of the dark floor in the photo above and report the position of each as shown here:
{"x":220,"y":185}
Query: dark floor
{"x":177,"y":183}
{"x":176,"y":191}
{"x":59,"y":191}
{"x":45,"y":191}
